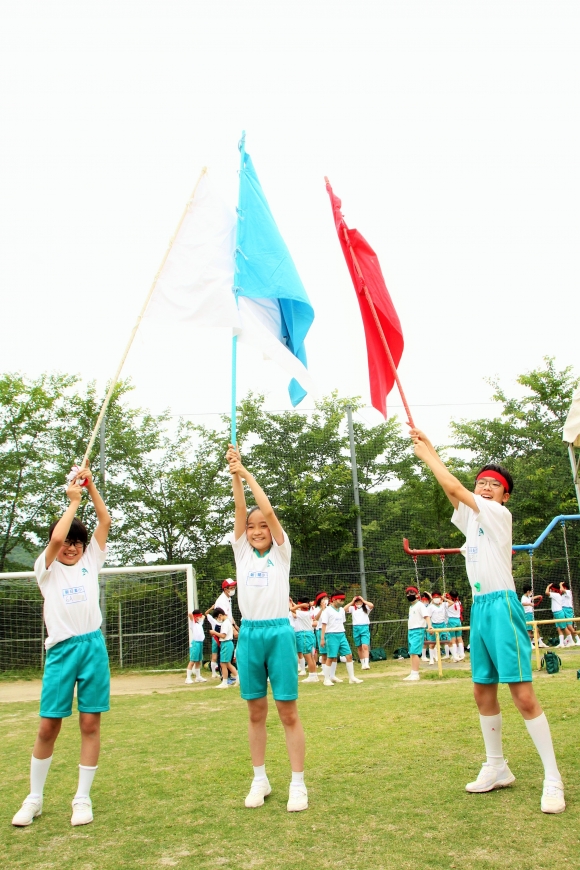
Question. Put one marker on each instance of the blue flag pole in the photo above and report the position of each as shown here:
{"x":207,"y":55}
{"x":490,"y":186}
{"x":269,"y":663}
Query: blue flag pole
{"x":233,"y":430}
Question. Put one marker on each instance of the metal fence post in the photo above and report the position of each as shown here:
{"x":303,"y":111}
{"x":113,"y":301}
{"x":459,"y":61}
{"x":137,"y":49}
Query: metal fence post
{"x":120,"y":635}
{"x":359,"y":536}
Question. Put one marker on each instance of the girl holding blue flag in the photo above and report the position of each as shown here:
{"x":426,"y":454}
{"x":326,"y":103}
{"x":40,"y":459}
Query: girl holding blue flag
{"x":266,"y":643}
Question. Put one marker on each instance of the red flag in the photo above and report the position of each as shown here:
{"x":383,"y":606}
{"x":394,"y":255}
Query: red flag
{"x":380,"y":320}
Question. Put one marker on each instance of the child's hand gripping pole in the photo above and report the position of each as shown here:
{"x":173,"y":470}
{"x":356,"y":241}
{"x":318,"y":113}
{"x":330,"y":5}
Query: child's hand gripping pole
{"x":74,"y":476}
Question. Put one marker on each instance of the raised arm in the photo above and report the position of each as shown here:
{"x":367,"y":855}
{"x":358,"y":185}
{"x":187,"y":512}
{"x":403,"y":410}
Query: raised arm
{"x":262,"y":500}
{"x":453,"y":488}
{"x":101,"y":532}
{"x":61,"y":530}
{"x":233,"y":456}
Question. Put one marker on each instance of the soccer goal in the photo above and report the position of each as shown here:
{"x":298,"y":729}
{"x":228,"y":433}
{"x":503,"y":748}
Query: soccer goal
{"x":144,"y":611}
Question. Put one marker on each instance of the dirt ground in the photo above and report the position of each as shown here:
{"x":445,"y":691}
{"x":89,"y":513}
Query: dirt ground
{"x":147,"y":683}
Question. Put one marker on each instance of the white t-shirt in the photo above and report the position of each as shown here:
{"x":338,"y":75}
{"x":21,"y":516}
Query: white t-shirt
{"x":317,"y":616}
{"x":263,"y":581}
{"x":71,"y":594}
{"x":359,"y":617}
{"x":333,"y":620}
{"x":567,"y":598}
{"x":196,"y":632}
{"x":488,"y":545}
{"x":225,"y":602}
{"x":454,"y":610}
{"x":226,"y":628}
{"x":303,"y":620}
{"x":417,"y":614}
{"x":438,"y":613}
{"x":527,"y":604}
{"x":556,"y":601}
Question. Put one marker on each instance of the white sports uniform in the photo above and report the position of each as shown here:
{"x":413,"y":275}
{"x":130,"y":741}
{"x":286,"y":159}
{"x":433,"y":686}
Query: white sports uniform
{"x":71,"y":594}
{"x":488,"y":548}
{"x":359,"y":617}
{"x":333,"y":620}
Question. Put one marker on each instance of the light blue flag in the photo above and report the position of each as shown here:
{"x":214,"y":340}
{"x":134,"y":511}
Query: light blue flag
{"x":268,"y":288}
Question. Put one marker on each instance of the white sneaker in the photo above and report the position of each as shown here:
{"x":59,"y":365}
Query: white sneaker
{"x":355,"y":680}
{"x":311,"y":678}
{"x":461,"y":658}
{"x":552,"y":797}
{"x":490,"y":777}
{"x":577,"y":641}
{"x":259,"y":789}
{"x":297,"y":798}
{"x":424,"y":659}
{"x":327,"y":682}
{"x":223,"y":685}
{"x":542,"y":645}
{"x":188,"y":681}
{"x":365,"y":668}
{"x":336,"y":680}
{"x":413,"y":677}
{"x":215,"y":676}
{"x":200,"y":680}
{"x":30,"y":809}
{"x":82,"y":813}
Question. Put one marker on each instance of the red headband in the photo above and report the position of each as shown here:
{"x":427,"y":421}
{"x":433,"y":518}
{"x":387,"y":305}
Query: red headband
{"x":320,"y":596}
{"x":337,"y":597}
{"x":412,"y":589}
{"x":496,"y":476}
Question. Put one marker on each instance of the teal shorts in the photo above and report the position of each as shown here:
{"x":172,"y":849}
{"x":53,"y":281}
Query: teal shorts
{"x":361,"y":634}
{"x":569,"y":612}
{"x":529,"y":618}
{"x":226,"y":651}
{"x":336,"y":645}
{"x":215,"y":647}
{"x":267,"y":648}
{"x":499,"y":641}
{"x":196,"y":651}
{"x":80,"y":660}
{"x":444,"y":636}
{"x":305,"y":641}
{"x":454,"y":622}
{"x":415,"y":638}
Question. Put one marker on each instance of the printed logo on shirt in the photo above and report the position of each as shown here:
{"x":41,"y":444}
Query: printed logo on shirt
{"x":472,"y":554}
{"x":269,"y":563}
{"x":84,"y":571}
{"x":74,"y":595}
{"x":480,"y":532}
{"x":257,"y":578}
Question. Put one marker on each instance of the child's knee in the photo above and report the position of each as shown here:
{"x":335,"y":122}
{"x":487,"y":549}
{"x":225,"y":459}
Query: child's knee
{"x":49,"y":728}
{"x":288,"y":712}
{"x":90,"y":724}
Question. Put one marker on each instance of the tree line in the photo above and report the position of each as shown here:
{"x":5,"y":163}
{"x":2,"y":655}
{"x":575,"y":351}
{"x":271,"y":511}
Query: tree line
{"x":170,"y":495}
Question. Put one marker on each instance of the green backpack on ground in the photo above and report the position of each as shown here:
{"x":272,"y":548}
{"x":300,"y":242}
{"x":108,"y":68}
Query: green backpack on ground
{"x":401,"y":653}
{"x":378,"y":655}
{"x":551,"y":662}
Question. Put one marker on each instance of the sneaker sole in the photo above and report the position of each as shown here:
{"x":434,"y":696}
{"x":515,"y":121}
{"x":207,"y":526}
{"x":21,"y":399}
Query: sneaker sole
{"x":553,"y":812}
{"x":26,"y":824}
{"x":503,"y":783}
{"x":296,"y":809}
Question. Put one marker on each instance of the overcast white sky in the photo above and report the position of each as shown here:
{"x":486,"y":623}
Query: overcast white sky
{"x":449,"y":129}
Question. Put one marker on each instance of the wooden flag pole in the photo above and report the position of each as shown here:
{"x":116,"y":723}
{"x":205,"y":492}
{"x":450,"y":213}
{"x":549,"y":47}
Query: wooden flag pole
{"x":117,"y":375}
{"x":379,"y":327}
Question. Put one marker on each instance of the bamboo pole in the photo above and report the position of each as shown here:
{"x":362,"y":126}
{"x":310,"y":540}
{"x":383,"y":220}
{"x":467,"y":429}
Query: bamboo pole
{"x":536,"y":642}
{"x":117,"y":375}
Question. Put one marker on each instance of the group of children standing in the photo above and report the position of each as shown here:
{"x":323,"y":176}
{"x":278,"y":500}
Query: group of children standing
{"x":319,"y":632}
{"x":67,"y":573}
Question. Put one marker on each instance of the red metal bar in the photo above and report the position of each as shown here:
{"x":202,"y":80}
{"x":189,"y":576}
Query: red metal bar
{"x":442,"y":551}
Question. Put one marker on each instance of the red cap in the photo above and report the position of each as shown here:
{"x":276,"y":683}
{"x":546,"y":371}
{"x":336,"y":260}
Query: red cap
{"x":227,"y":584}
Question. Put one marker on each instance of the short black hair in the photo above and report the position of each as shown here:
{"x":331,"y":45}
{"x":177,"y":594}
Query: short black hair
{"x":303,"y":600}
{"x":454,"y":594}
{"x":77,"y":532}
{"x":196,"y":613}
{"x":527,"y":588}
{"x":493,"y":466}
{"x":218,"y":612}
{"x":565,"y":584}
{"x":435,"y":592}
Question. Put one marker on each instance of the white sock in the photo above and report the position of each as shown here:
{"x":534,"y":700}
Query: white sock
{"x":333,"y":669}
{"x":431,"y":654}
{"x":491,"y":730}
{"x":461,"y":648}
{"x":297,"y":778}
{"x":213,"y":667}
{"x":539,"y":731}
{"x":197,"y":672}
{"x":38,"y":772}
{"x":326,"y":671}
{"x":86,"y":776}
{"x":350,"y":670}
{"x":561,"y":641}
{"x":260,"y":772}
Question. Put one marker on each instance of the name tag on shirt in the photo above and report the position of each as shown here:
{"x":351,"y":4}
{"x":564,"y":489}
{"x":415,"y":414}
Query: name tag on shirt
{"x":257,"y":578}
{"x":74,"y":595}
{"x":472,"y":554}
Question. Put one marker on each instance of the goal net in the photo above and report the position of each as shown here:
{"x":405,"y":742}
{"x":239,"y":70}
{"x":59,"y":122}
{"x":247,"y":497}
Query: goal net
{"x":144,"y":617}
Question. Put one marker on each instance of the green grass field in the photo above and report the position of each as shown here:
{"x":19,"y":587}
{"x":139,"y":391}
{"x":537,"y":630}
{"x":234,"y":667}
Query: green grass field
{"x":386,"y":767}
